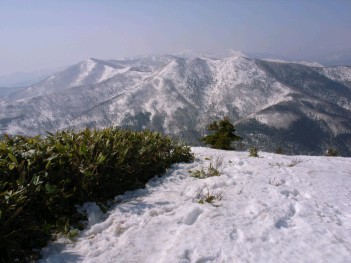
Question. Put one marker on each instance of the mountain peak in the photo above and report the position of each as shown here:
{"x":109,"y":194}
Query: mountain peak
{"x":271,"y":103}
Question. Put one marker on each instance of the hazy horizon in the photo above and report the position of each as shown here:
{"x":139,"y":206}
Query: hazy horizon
{"x":39,"y":35}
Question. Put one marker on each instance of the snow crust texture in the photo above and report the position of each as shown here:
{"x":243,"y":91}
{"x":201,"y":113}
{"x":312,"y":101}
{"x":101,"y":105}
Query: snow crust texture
{"x":274,"y":208}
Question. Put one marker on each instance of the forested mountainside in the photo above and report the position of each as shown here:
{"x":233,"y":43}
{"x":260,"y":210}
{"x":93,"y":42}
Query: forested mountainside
{"x":302,"y":109}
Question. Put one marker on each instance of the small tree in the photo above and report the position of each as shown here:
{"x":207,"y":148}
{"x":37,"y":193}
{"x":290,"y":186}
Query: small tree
{"x":332,"y":152}
{"x":279,"y":150}
{"x":223,"y":135}
{"x":253,"y":152}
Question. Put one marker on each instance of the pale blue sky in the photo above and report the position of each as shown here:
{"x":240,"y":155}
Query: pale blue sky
{"x":40,"y":34}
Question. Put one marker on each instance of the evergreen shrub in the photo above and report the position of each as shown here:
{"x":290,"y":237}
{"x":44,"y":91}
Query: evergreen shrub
{"x":253,"y":152}
{"x":332,"y":152}
{"x":42,"y":179}
{"x":223,"y":135}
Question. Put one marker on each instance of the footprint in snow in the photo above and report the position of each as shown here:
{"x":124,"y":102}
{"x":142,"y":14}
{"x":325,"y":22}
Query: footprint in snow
{"x":285,"y":221}
{"x":192,"y":217}
{"x":240,"y":163}
{"x":290,"y":193}
{"x":206,"y":259}
{"x":236,"y":234}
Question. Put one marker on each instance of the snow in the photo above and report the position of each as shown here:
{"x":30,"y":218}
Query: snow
{"x":102,"y":92}
{"x":108,"y":72}
{"x":238,"y":76}
{"x":274,"y":208}
{"x":340,"y":73}
{"x":85,"y":68}
{"x":279,"y":120}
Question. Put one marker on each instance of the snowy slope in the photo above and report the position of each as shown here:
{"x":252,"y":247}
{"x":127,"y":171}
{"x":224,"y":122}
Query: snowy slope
{"x":306,"y":63}
{"x":274,"y":208}
{"x":341,"y":74}
{"x":87,"y":72}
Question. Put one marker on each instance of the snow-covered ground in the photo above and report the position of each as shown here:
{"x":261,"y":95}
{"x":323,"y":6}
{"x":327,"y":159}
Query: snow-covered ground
{"x":274,"y":208}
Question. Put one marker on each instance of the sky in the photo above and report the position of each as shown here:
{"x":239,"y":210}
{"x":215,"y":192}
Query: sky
{"x":42,"y":34}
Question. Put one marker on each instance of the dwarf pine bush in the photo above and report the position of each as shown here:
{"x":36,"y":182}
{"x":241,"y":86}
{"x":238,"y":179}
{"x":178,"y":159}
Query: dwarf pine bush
{"x":222,"y":135}
{"x":212,"y":170}
{"x":332,"y":152}
{"x":43,"y":178}
{"x":253,"y":152}
{"x":205,"y":195}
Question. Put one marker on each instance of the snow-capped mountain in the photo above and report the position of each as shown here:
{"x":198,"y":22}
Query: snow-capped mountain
{"x":301,"y":108}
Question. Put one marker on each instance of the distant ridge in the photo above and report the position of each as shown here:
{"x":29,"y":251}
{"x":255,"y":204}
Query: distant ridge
{"x":303,"y":108}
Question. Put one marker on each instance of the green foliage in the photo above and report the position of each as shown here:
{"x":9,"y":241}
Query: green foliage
{"x":211,"y":196}
{"x":332,"y":152}
{"x":212,"y":170}
{"x":42,"y":179}
{"x":253,"y":152}
{"x":223,"y":135}
{"x":279,"y":150}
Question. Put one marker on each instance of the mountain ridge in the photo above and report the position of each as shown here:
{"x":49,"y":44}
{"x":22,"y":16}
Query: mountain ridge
{"x":180,"y":96}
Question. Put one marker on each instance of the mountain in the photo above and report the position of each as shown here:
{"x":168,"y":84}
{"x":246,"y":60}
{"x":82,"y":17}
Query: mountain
{"x":302,"y":108}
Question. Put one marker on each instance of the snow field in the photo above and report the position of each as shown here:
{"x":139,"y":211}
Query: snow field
{"x":274,"y":208}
